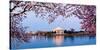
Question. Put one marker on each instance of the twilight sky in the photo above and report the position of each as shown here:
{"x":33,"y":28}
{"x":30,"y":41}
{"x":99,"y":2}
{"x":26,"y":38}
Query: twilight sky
{"x":39,"y":24}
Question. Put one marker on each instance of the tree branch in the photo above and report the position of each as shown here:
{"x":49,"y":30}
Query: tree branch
{"x":22,"y":11}
{"x":43,"y":6}
{"x":16,"y":5}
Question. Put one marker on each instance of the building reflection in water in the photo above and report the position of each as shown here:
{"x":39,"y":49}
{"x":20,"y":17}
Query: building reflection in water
{"x":58,"y":40}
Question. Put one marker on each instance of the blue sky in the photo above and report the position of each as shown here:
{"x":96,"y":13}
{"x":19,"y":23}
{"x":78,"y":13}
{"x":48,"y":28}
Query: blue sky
{"x":37,"y":23}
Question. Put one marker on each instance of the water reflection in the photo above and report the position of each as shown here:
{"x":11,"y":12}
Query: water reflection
{"x":69,"y":38}
{"x":52,"y":41}
{"x":58,"y":40}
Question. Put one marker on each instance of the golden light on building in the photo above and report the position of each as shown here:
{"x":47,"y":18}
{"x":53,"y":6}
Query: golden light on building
{"x":58,"y":30}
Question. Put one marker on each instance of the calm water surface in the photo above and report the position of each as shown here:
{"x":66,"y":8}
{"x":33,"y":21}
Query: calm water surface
{"x":40,"y":42}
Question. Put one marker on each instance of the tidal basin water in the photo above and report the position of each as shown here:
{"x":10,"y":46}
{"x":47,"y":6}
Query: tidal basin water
{"x":56,"y":41}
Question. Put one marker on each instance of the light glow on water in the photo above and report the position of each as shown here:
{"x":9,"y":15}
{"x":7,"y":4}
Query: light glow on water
{"x":41,"y":42}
